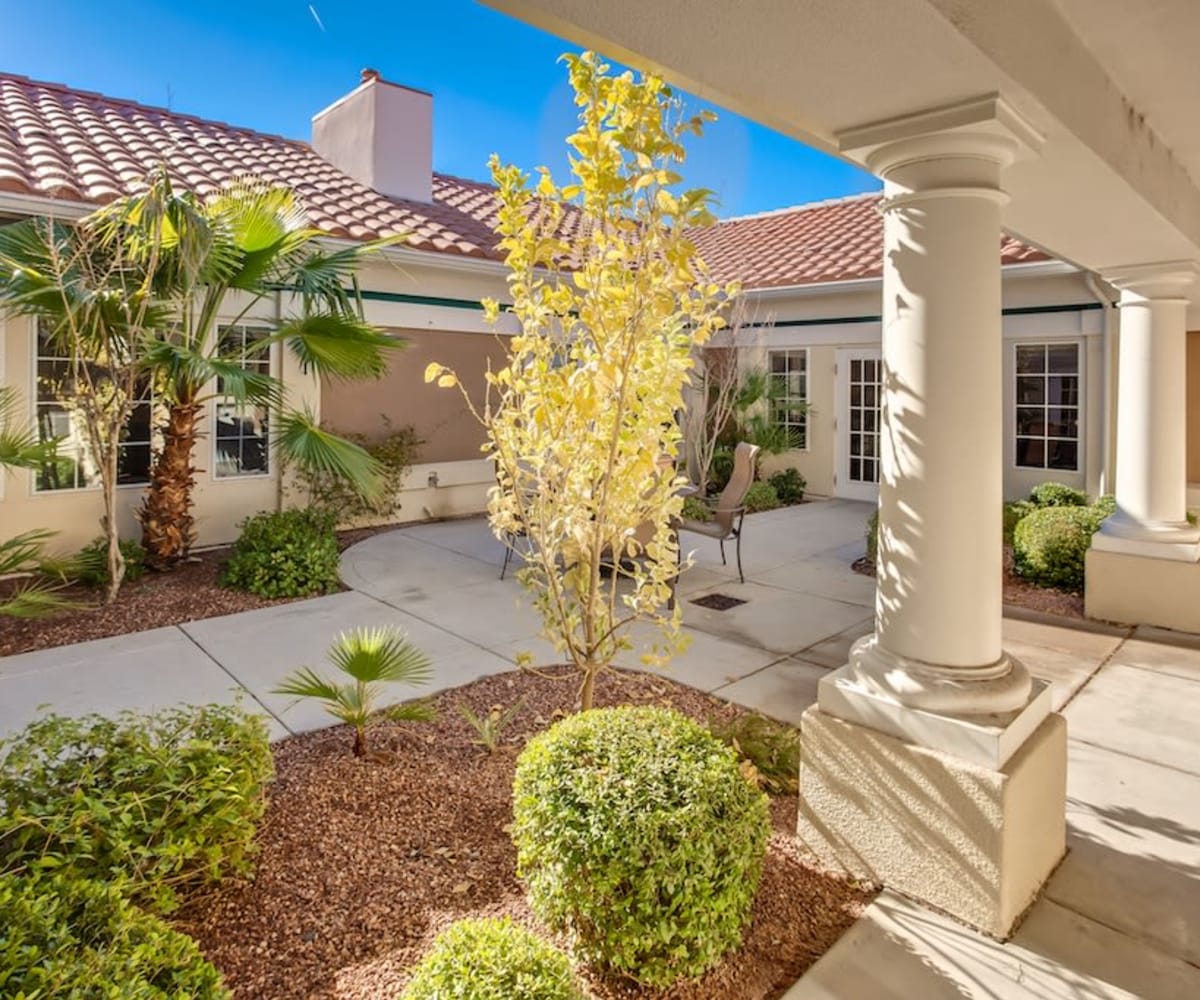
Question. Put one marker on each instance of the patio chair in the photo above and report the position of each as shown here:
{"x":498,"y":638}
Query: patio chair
{"x":729,"y":510}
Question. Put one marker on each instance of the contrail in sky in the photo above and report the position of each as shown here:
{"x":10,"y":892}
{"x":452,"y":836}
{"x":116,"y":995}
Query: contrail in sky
{"x":316,"y":17}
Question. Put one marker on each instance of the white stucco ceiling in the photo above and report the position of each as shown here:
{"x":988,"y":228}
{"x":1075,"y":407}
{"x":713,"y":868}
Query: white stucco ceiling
{"x":1108,"y":188}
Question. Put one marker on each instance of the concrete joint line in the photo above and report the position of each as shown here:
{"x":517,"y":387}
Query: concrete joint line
{"x":228,"y":673}
{"x":1091,"y":676}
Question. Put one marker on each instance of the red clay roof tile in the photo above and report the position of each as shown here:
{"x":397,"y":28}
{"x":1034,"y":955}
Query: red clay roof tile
{"x":83,"y":146}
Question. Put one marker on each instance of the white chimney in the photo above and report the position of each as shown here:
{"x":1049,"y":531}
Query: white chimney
{"x":381,"y":134}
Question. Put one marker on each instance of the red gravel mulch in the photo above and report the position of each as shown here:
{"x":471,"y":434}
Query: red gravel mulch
{"x":1017,"y":590}
{"x":364,"y":861}
{"x":186,"y":594}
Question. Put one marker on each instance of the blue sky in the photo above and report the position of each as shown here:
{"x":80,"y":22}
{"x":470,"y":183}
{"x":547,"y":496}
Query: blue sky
{"x":269,"y":65}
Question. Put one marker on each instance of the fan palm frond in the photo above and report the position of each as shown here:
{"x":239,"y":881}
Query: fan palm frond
{"x":338,"y":345}
{"x":302,"y":440}
{"x":380,"y":654}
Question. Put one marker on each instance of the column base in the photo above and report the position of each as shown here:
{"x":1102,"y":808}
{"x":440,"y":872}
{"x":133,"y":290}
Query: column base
{"x":1180,"y":542}
{"x":1140,"y":589}
{"x":992,"y":689}
{"x":975,"y":842}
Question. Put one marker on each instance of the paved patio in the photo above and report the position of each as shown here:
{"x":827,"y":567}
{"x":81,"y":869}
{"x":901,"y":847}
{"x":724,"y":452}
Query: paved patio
{"x":1120,"y":918}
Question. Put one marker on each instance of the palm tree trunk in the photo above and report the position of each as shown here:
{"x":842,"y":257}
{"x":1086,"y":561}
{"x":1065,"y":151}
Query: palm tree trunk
{"x":360,"y":742}
{"x":168,"y":528}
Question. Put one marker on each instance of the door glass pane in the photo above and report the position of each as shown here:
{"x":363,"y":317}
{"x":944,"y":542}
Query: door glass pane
{"x":1031,"y":359}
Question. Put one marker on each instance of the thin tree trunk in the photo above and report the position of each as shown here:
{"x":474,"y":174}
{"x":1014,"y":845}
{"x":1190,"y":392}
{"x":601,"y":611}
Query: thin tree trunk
{"x":587,"y":693}
{"x":360,"y":743}
{"x":168,"y":528}
{"x":116,"y":561}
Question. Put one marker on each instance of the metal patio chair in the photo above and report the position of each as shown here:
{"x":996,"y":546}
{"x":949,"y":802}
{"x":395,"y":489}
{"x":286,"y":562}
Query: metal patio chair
{"x":729,"y":510}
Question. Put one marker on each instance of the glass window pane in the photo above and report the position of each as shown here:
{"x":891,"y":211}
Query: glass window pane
{"x":1031,"y":453}
{"x":869,"y":419}
{"x":856,"y":370}
{"x":778,"y":362}
{"x":1064,"y":358}
{"x":856,"y":469}
{"x":1030,"y":420}
{"x":1062,"y":455}
{"x":856,"y":420}
{"x":133,"y":463}
{"x":869,"y":392}
{"x":1031,"y":389}
{"x":1031,"y":358}
{"x":1063,"y":390}
{"x":1062,"y":422}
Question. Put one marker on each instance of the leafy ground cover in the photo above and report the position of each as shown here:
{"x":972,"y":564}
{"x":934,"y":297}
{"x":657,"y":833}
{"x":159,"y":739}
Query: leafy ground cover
{"x":364,"y":860}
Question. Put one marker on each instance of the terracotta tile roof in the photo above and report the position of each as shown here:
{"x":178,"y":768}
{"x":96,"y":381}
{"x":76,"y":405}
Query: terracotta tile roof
{"x":82,"y":146}
{"x":838,"y":240}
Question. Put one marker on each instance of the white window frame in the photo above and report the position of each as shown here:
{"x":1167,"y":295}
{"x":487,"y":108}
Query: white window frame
{"x":35,"y":407}
{"x":270,"y":362}
{"x":1080,"y":406}
{"x":801,"y":424}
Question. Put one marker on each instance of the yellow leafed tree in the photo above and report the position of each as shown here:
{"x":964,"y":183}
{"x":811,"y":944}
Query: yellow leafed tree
{"x":582,"y":422}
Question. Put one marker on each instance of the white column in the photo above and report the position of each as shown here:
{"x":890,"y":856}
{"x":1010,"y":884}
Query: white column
{"x":939,"y":600}
{"x":1151,"y":480}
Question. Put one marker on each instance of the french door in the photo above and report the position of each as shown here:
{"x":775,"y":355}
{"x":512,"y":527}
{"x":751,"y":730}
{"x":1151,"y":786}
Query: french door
{"x":858,"y":397}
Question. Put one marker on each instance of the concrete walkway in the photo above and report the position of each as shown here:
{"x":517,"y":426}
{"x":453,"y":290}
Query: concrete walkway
{"x":1120,"y":918}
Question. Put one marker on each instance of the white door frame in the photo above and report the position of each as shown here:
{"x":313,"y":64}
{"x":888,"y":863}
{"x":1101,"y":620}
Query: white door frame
{"x":844,"y":486}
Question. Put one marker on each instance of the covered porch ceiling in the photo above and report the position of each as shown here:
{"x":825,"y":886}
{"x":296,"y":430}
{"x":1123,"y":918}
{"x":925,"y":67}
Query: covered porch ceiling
{"x":1112,"y":86}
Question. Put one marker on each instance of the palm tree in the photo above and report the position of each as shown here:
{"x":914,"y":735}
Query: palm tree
{"x":222,"y":257}
{"x":368,"y":657}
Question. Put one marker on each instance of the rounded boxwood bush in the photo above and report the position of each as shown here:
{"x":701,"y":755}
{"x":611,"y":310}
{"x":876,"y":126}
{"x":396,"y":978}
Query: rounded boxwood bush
{"x":789,"y":485}
{"x":639,"y":838}
{"x":1050,"y":545}
{"x":492,"y":960}
{"x":761,"y":496}
{"x":288,"y":553}
{"x":1057,"y":495}
{"x":73,"y":939}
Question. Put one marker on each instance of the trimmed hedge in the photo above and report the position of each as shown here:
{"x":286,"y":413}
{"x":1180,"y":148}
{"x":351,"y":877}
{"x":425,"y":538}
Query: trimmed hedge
{"x":158,"y":801}
{"x":1050,"y":544}
{"x":761,"y":496}
{"x":789,"y":485}
{"x":288,"y":553}
{"x":70,"y":939}
{"x":1057,"y":495}
{"x":492,"y":960}
{"x":639,"y":838}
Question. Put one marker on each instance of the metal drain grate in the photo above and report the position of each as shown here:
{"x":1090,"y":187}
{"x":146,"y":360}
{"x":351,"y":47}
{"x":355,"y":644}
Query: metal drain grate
{"x":718,"y":602}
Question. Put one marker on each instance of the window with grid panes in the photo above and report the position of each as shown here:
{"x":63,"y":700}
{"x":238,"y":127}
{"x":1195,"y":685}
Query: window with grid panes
{"x":241,"y":433}
{"x":1047,"y":406}
{"x":74,"y":466}
{"x":864,"y":380}
{"x":789,"y":372}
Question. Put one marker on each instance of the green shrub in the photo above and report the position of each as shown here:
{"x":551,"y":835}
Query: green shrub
{"x":720,"y":470}
{"x":1013,"y":513}
{"x":1050,"y":545}
{"x":1106,"y":506}
{"x":789,"y":485}
{"x":873,"y":536}
{"x":1057,"y":495}
{"x":771,"y":748}
{"x":638,"y":836}
{"x":492,"y":960}
{"x":696,"y":510}
{"x":163,"y":800}
{"x":72,"y":939}
{"x":289,"y":553}
{"x":90,"y":565}
{"x":761,"y":496}
{"x":394,"y":449}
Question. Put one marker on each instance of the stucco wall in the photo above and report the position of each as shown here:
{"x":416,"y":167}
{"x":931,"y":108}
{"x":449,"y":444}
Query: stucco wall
{"x":1193,"y":406}
{"x":448,"y":431}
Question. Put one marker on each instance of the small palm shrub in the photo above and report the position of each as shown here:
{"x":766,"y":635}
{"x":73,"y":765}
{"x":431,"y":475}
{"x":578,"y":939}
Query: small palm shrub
{"x":90,"y":565}
{"x":368,"y":657}
{"x":1057,"y":495}
{"x":761,"y":496}
{"x":492,"y":960}
{"x":288,"y":553}
{"x":789,"y":485}
{"x":1050,"y":545}
{"x":639,"y":837}
{"x":873,"y":536}
{"x":73,"y":939}
{"x":489,"y":727}
{"x":393,"y":448}
{"x":720,"y":470}
{"x":163,"y":801}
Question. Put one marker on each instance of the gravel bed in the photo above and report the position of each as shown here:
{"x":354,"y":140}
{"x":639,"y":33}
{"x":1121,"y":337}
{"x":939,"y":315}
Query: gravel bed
{"x":364,"y":861}
{"x":187,"y":593}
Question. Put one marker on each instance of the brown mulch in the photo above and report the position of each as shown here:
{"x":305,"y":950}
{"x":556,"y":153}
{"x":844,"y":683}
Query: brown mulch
{"x":1017,"y":590}
{"x":364,"y":861}
{"x":187,"y":593}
